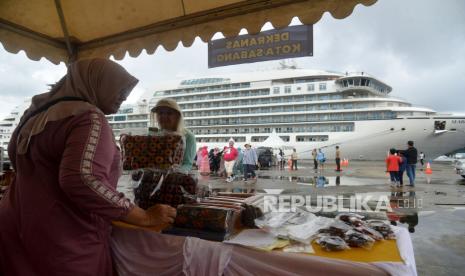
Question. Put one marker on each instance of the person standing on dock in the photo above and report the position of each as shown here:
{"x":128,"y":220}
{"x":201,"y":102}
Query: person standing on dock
{"x":283,"y":160}
{"x":422,"y":159}
{"x":392,"y":166}
{"x":294,"y":158}
{"x":250,"y":161}
{"x":402,"y":167}
{"x":230,"y":155}
{"x":411,"y":154}
{"x":321,"y":158}
{"x":315,"y":161}
{"x":338,"y":159}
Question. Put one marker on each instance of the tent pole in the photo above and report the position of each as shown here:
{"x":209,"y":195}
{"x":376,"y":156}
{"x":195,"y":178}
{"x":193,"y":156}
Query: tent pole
{"x":69,"y":46}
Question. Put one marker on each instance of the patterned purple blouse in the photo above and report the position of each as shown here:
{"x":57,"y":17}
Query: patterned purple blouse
{"x":55,"y":218}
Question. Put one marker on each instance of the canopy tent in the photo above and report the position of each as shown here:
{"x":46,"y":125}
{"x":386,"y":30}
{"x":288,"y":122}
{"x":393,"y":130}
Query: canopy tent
{"x":68,"y":30}
{"x":275,"y":142}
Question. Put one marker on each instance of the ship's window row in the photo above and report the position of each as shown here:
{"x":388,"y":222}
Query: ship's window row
{"x":261,"y":101}
{"x":307,"y":138}
{"x":202,"y":89}
{"x":301,"y":138}
{"x":378,"y":115}
{"x":129,"y":125}
{"x":275,"y":109}
{"x":228,"y":94}
{"x":348,"y":127}
{"x":220,"y":139}
{"x":237,"y":94}
{"x":122,"y":118}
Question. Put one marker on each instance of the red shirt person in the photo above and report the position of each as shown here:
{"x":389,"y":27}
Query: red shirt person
{"x":392,"y":165}
{"x":230,"y":154}
{"x":55,"y":218}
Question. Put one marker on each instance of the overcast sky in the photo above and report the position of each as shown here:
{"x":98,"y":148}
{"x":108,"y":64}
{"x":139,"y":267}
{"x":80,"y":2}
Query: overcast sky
{"x":415,"y":46}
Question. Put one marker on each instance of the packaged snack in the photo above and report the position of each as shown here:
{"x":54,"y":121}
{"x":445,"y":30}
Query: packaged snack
{"x":370,"y":232}
{"x":298,"y":247}
{"x":356,"y":239}
{"x":273,"y":220}
{"x":351,"y":219}
{"x":337,"y":229}
{"x":332,"y":243}
{"x":382,"y":227}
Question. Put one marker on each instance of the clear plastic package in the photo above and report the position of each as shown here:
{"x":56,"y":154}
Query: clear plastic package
{"x":337,"y":228}
{"x":370,"y":232}
{"x":298,"y":247}
{"x":332,"y":243}
{"x":273,"y":220}
{"x":351,"y":219}
{"x":382,"y":227}
{"x":356,"y":239}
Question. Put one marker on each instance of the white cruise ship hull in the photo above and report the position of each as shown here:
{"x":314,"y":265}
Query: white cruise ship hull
{"x":372,"y":139}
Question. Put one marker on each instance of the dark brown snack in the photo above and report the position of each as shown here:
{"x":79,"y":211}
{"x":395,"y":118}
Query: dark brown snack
{"x":356,"y":239}
{"x":382,"y":227}
{"x":332,"y":243}
{"x":351,"y":219}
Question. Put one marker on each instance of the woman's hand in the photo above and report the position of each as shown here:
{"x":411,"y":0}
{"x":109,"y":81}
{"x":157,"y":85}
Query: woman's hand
{"x":159,"y":215}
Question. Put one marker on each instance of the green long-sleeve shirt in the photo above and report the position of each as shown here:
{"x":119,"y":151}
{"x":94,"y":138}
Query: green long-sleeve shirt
{"x":189,"y":152}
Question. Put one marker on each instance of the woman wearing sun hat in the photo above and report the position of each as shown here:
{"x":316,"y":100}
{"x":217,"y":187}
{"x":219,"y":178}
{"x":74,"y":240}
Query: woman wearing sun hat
{"x":167,"y":115}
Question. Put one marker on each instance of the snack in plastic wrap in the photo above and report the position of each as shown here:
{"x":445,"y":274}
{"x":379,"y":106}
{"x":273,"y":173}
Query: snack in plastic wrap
{"x":370,"y":232}
{"x":159,"y":151}
{"x":332,"y":243}
{"x":383,"y":228}
{"x":273,"y":220}
{"x":336,"y":229}
{"x":356,"y":239}
{"x":351,"y":219}
{"x":298,"y":247}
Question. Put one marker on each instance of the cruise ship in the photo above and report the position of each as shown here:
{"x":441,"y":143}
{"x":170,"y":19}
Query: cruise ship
{"x":307,"y":109}
{"x":310,"y":109}
{"x":10,"y":122}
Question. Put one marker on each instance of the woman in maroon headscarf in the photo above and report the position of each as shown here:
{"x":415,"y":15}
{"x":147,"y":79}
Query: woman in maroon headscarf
{"x":55,"y":218}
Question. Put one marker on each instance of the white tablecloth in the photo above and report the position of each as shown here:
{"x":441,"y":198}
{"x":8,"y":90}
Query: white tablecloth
{"x":141,"y":252}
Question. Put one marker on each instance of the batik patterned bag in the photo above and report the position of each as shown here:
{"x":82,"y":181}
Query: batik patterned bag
{"x":159,"y":151}
{"x":162,"y":187}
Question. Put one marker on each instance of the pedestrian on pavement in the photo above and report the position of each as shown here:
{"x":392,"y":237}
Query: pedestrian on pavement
{"x":279,"y":158}
{"x":392,"y":166}
{"x":321,"y":158}
{"x":315,"y":161}
{"x":204,"y":162}
{"x":338,"y":159}
{"x":250,"y":161}
{"x":294,"y":158}
{"x":411,"y":154}
{"x":283,"y":160}
{"x":215,"y":158}
{"x":230,"y":155}
{"x":238,"y":165}
{"x":422,"y":159}
{"x":402,"y":167}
